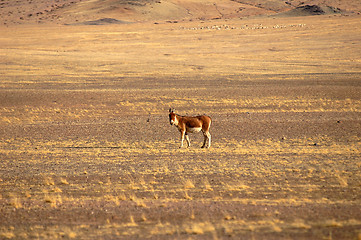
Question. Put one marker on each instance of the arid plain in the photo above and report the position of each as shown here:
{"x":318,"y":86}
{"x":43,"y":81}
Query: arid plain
{"x":87,"y":151}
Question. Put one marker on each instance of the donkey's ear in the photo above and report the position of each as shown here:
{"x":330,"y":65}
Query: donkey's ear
{"x":171,"y":110}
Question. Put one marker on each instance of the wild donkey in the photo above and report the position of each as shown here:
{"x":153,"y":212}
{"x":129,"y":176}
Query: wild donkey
{"x":187,"y":125}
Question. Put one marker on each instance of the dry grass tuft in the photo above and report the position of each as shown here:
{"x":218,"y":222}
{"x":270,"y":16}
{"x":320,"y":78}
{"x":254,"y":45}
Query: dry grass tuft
{"x":186,"y":196}
{"x":15,"y":202}
{"x":207,"y":185}
{"x":188,"y":184}
{"x":198,"y":228}
{"x":7,"y":234}
{"x":300,"y":223}
{"x":64,"y":181}
{"x":53,"y":200}
{"x":49,"y":181}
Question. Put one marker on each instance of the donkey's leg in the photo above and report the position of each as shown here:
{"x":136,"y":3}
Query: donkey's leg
{"x":182,"y":138}
{"x":205,"y":139}
{"x":209,"y":139}
{"x":187,"y":139}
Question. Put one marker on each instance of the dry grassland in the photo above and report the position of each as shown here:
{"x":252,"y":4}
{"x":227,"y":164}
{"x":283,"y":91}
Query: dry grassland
{"x":87,"y":151}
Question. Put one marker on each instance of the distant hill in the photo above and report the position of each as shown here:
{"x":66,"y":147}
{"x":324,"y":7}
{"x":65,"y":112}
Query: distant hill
{"x":308,"y":10}
{"x":85,"y":11}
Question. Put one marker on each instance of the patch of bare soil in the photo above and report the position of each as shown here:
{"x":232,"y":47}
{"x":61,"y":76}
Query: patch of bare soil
{"x":87,"y":151}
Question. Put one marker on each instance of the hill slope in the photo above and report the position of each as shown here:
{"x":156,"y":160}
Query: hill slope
{"x":75,"y":11}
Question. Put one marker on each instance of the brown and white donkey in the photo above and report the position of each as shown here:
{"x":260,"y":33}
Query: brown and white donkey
{"x":187,"y":125}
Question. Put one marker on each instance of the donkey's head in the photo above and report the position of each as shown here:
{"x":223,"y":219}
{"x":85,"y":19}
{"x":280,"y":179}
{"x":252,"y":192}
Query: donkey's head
{"x":172,"y":117}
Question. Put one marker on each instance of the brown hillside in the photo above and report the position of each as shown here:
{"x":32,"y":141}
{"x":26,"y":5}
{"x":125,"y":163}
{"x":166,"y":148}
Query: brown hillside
{"x":77,"y":11}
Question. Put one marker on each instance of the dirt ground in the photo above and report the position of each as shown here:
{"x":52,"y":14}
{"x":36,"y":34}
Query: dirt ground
{"x":87,"y":151}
